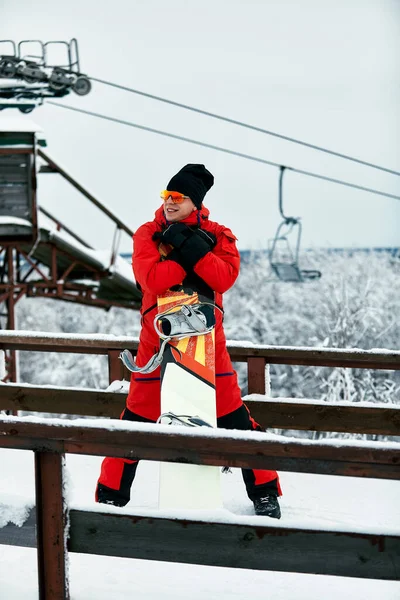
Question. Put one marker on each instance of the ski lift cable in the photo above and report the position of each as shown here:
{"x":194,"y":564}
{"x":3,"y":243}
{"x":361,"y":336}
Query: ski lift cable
{"x":225,"y":150}
{"x":247,"y":126}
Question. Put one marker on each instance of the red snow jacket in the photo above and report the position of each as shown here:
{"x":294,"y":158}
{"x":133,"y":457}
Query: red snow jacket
{"x":218,"y":269}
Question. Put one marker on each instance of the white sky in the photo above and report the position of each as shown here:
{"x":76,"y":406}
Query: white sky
{"x":325,"y":72}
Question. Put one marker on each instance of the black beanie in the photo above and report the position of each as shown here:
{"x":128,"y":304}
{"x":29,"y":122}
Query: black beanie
{"x":193,"y":181}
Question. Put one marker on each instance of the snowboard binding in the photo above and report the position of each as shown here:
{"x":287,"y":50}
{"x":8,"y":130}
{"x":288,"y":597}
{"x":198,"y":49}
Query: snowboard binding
{"x":170,"y":418}
{"x":188,"y":321}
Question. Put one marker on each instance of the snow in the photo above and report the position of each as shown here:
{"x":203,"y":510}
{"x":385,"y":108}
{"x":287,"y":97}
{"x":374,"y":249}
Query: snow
{"x":344,"y":351}
{"x":122,"y":267}
{"x":14,"y":509}
{"x":15,"y":124}
{"x":2,"y":364}
{"x":14,"y":221}
{"x":121,"y":386}
{"x":103,"y":257}
{"x":310,"y":501}
{"x":105,"y":578}
{"x":50,"y":387}
{"x":95,"y":337}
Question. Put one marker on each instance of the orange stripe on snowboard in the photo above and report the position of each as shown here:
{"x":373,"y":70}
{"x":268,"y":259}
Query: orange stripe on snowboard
{"x":187,"y":360}
{"x":196,"y":353}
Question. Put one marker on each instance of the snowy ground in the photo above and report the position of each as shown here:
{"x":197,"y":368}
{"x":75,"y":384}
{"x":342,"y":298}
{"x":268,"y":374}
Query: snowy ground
{"x":309,"y":500}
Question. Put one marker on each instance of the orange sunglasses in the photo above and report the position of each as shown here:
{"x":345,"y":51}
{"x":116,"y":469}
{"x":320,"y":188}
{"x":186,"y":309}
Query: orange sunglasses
{"x":176,"y":197}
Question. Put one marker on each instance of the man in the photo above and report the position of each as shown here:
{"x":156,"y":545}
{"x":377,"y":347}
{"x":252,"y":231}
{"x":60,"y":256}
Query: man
{"x":203,"y":253}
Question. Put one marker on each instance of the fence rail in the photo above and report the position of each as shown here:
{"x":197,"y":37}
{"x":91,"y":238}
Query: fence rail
{"x":239,"y":351}
{"x":270,"y":413}
{"x":256,"y":356}
{"x":155,"y":442}
{"x":261,"y":547}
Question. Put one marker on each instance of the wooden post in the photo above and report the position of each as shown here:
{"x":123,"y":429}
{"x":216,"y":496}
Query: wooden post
{"x":10,"y":304}
{"x":51,"y":523}
{"x":115,"y":366}
{"x":256,"y":375}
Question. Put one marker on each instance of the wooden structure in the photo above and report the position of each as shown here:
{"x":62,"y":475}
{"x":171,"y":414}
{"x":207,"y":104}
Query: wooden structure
{"x":337,"y":552}
{"x":49,"y":261}
{"x":334,"y":552}
{"x":256,"y":357}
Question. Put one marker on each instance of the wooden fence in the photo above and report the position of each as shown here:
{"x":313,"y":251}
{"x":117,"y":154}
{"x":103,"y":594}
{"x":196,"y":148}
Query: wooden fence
{"x":271,"y":547}
{"x":256,"y":356}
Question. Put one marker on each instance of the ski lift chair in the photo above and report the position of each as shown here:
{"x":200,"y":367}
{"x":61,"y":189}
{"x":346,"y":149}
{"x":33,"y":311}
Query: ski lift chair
{"x":283,"y":260}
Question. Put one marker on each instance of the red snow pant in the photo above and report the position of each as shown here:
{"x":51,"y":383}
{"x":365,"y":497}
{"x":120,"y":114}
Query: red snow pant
{"x":143,"y":405}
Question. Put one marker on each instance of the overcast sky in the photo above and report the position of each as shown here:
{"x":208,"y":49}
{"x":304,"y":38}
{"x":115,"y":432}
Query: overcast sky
{"x":327,"y":72}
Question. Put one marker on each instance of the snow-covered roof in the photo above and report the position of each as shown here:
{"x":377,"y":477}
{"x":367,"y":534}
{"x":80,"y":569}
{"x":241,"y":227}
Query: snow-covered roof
{"x":119,"y":281}
{"x":18,"y":124}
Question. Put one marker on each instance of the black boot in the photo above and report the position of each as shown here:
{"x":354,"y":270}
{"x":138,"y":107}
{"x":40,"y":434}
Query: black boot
{"x":106,"y":495}
{"x":267,"y":506}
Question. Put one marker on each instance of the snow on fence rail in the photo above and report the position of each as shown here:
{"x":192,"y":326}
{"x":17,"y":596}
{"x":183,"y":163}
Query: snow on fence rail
{"x":345,"y":553}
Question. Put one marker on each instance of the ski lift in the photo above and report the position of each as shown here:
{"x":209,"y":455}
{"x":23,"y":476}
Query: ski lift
{"x":30,"y":67}
{"x":68,"y":74}
{"x":283,"y":259}
{"x":27,"y":79}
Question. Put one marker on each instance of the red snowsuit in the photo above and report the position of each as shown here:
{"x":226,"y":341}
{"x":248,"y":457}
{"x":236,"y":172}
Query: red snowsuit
{"x":219,"y":269}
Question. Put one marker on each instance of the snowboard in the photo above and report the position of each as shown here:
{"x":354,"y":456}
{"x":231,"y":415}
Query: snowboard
{"x":188,"y":388}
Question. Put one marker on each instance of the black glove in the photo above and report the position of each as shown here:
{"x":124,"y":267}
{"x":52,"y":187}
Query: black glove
{"x":207,"y":237}
{"x":190,"y":245}
{"x":194,"y":248}
{"x":176,"y":234}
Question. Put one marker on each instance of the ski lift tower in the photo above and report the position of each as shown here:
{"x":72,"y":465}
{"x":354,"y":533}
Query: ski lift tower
{"x":38,"y":258}
{"x":18,"y":213}
{"x":39,"y":255}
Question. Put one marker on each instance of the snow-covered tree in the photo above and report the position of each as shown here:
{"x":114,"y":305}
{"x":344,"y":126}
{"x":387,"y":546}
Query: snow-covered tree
{"x":356,"y":304}
{"x":83,"y":370}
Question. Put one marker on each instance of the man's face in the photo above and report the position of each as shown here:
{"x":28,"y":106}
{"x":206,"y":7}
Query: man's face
{"x":175,"y":212}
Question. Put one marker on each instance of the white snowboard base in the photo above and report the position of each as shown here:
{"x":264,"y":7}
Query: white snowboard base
{"x":188,"y":486}
{"x":3,"y":371}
